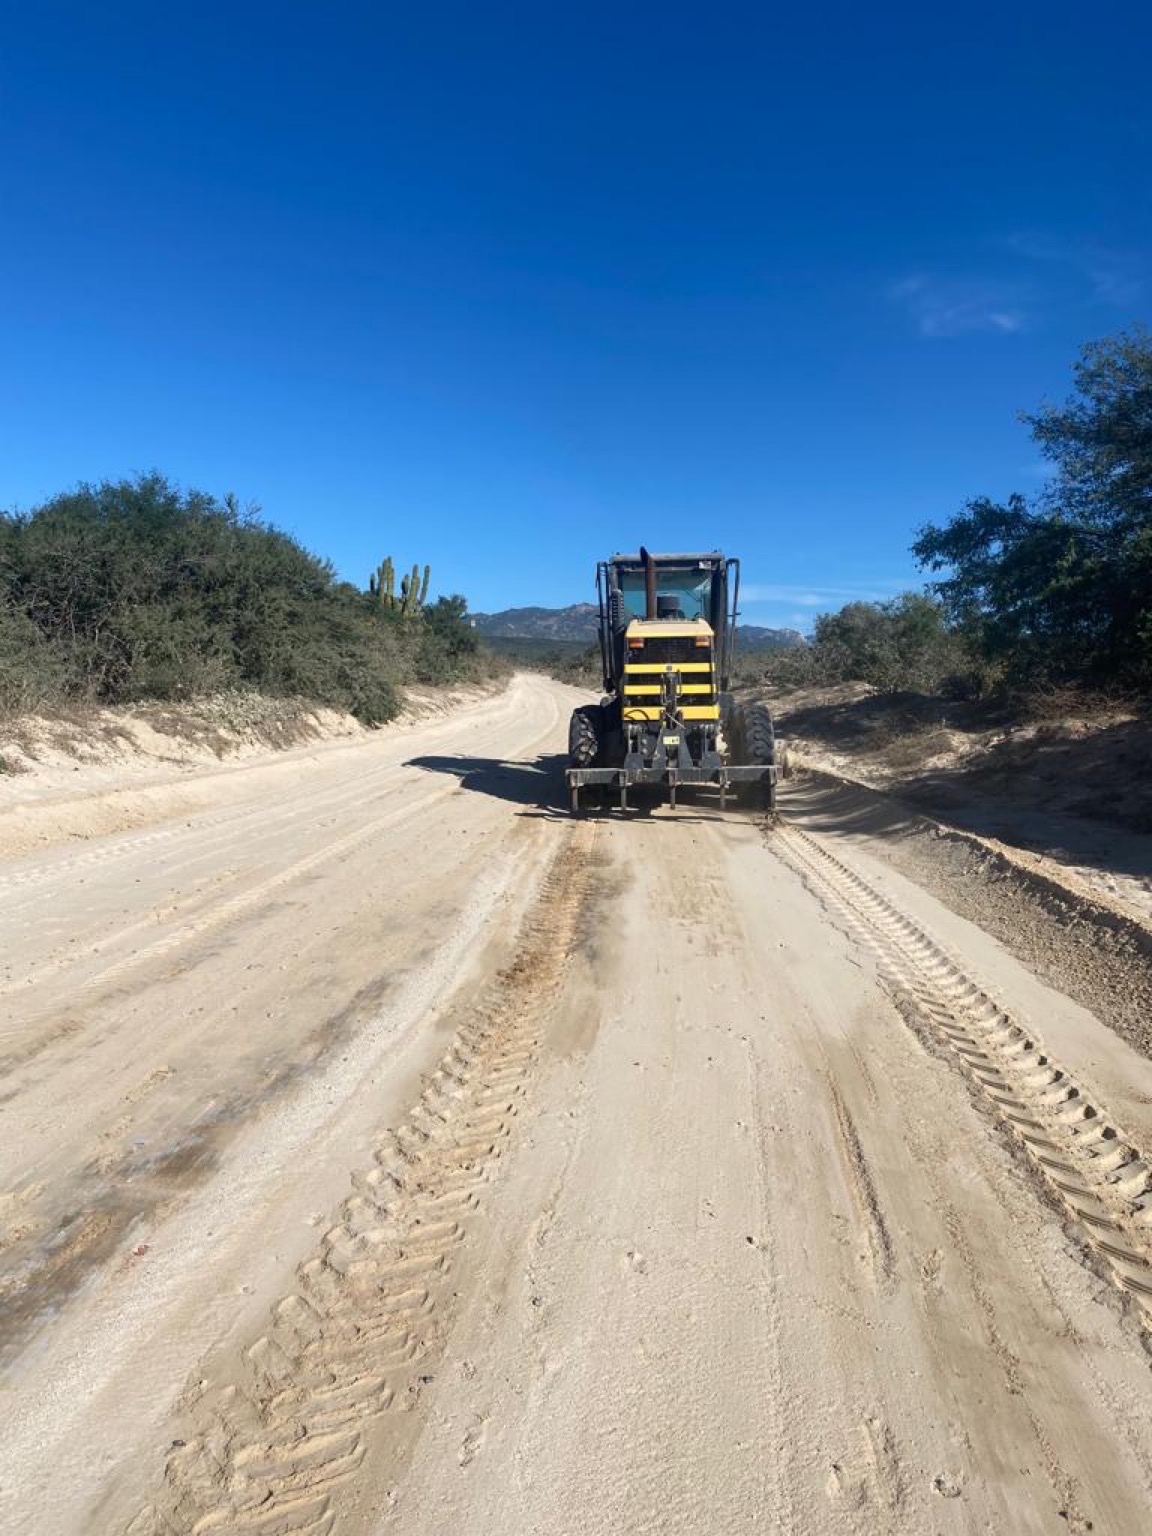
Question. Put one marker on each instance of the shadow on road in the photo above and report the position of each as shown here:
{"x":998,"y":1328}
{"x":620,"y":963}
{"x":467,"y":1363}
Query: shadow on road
{"x":539,"y":784}
{"x":540,"y":787}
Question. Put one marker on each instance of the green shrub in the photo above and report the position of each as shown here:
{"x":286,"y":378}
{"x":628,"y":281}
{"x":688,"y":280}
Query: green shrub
{"x":897,"y":645}
{"x":134,"y":590}
{"x":33,"y":670}
{"x":902,"y":645}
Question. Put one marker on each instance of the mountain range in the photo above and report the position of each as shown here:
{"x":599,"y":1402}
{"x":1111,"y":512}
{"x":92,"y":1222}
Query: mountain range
{"x":578,"y":622}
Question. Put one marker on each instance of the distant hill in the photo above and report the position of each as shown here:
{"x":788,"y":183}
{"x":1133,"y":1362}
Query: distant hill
{"x":578,"y":622}
{"x":755,"y":637}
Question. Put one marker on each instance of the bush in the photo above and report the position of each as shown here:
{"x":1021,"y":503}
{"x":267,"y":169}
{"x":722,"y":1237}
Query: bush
{"x":136,"y":590}
{"x":902,"y":644}
{"x":33,"y":674}
{"x":448,"y":647}
{"x":897,"y":646}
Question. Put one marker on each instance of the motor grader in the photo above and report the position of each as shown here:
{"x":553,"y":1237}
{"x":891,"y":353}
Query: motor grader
{"x":667,"y":635}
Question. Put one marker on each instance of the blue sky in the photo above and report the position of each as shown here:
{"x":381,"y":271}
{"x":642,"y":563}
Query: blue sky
{"x":506,"y":287}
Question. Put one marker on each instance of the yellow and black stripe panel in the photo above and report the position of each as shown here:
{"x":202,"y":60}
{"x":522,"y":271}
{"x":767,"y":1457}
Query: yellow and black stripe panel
{"x":642,"y":683}
{"x":695,"y":682}
{"x":648,"y":668}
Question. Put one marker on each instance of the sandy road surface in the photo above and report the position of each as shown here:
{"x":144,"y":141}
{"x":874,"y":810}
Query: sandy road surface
{"x":381,"y":1151}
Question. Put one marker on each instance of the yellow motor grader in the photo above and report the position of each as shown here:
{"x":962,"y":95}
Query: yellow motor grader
{"x":667,"y":635}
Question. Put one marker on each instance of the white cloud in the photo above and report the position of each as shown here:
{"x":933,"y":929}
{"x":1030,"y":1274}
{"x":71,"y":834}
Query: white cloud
{"x":818,"y":596}
{"x":1110,"y":275}
{"x":945,"y":308}
{"x":1050,"y":273}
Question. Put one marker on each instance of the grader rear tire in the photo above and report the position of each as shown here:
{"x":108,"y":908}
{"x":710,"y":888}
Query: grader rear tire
{"x":759,"y":734}
{"x":584,"y":736}
{"x":760,"y":748}
{"x":732,"y":727}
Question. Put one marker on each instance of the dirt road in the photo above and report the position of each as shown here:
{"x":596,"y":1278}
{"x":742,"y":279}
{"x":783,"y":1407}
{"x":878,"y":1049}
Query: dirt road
{"x":384,"y":1151}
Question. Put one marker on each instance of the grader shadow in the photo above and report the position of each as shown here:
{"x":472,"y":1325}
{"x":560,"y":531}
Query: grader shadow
{"x":539,"y":784}
{"x":539,"y":787}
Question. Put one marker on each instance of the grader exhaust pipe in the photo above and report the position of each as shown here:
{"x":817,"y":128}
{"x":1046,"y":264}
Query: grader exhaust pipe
{"x":649,"y":582}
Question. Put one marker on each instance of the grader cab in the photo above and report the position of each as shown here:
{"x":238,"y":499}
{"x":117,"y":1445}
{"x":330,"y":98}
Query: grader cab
{"x":667,"y":634}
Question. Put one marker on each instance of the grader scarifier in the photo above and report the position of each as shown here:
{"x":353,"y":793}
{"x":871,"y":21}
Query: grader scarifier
{"x":667,"y":635}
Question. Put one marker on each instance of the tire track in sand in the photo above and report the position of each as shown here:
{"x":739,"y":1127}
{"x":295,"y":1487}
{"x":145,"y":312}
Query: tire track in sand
{"x":1093,"y":1170}
{"x":863,"y":1189}
{"x":273,"y":1451}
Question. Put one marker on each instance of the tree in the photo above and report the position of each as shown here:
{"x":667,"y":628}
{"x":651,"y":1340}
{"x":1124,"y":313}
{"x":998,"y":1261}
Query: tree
{"x":1101,"y":439}
{"x":1061,"y":588}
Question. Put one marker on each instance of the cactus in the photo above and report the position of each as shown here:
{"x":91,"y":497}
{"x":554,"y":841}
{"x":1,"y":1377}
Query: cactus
{"x":414,"y":592}
{"x":413,"y":595}
{"x":382,"y":583}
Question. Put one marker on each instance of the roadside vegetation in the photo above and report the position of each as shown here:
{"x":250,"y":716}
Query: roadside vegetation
{"x":1034,"y":596}
{"x":569,"y":661}
{"x":905,"y":644}
{"x":137,"y":590}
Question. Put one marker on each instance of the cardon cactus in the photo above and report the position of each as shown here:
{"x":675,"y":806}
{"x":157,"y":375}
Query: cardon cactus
{"x":413,"y":594}
{"x":382,"y":583}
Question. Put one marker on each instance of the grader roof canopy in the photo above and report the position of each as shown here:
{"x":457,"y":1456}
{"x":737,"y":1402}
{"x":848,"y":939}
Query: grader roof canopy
{"x":712,"y":557}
